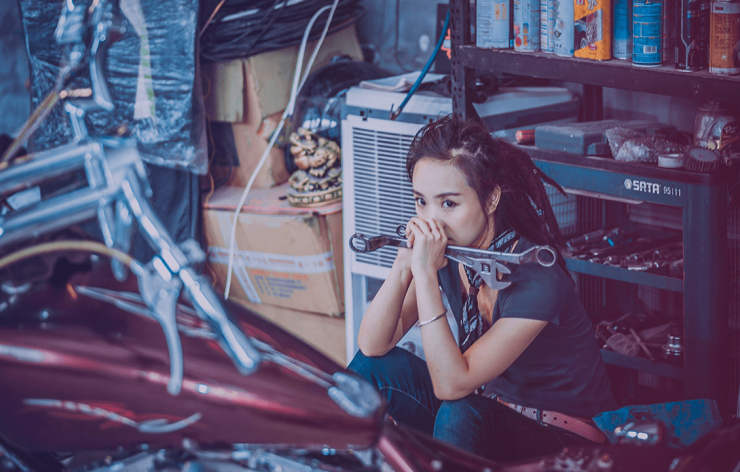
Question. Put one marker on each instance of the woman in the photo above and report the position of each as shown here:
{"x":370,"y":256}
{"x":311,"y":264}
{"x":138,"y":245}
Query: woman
{"x":527,"y":375}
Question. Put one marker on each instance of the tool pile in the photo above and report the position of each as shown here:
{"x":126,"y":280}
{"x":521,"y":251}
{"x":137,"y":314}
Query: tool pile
{"x":628,"y":250}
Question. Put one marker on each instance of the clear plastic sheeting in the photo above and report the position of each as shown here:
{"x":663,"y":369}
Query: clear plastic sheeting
{"x":629,"y":145}
{"x":151,"y":74}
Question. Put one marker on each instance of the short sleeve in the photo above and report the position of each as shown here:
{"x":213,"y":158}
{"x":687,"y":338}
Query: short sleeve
{"x":535,"y":293}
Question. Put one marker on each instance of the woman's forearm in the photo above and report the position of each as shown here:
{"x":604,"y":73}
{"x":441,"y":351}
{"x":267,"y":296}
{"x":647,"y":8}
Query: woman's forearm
{"x":381,"y":324}
{"x":447,"y":366}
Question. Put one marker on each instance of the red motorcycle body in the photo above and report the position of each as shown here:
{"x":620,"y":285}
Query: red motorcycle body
{"x":80,"y":373}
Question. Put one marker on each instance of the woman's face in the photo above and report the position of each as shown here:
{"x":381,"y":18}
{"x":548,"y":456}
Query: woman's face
{"x":441,"y":193}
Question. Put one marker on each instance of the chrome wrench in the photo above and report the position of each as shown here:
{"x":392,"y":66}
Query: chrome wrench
{"x":487,"y":264}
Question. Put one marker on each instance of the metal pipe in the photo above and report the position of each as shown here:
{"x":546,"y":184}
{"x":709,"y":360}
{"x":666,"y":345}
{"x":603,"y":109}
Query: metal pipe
{"x":45,"y":165}
{"x":53,"y":215}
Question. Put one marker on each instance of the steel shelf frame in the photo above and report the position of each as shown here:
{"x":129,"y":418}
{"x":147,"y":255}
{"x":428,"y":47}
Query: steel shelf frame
{"x":703,"y":198}
{"x":663,"y":80}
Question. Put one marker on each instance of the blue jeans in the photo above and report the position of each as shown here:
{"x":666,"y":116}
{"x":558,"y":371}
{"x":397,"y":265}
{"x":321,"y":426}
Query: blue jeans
{"x":475,"y":423}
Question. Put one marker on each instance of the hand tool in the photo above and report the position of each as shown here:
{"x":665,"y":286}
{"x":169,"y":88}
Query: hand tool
{"x":487,"y":264}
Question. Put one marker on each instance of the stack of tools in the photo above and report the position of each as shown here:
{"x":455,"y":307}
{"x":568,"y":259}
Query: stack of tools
{"x":626,"y":249}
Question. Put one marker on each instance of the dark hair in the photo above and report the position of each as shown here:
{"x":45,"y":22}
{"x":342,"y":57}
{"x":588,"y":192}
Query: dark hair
{"x":486,"y":163}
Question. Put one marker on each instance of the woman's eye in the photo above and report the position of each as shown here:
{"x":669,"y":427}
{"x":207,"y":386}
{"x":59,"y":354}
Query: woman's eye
{"x":420,"y":201}
{"x":448,"y":204}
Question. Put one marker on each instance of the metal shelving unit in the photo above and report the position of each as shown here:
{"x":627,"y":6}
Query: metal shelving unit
{"x":617,"y":273}
{"x":703,"y":198}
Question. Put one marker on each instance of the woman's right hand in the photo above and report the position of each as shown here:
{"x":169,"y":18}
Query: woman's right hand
{"x":428,"y":241}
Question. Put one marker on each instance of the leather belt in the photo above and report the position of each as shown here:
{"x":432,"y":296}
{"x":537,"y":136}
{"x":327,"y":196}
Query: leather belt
{"x":559,"y":420}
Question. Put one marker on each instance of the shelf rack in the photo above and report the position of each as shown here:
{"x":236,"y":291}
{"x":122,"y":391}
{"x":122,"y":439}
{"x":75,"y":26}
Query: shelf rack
{"x":703,"y":198}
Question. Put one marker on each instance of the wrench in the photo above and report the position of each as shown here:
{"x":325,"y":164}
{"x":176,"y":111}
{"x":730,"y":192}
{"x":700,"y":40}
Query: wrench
{"x":487,"y":264}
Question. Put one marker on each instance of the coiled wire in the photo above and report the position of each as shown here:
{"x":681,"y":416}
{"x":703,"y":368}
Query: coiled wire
{"x":244,"y":28}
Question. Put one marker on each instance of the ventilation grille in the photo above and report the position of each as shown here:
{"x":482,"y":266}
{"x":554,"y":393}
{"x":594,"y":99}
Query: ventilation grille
{"x":383,"y":197}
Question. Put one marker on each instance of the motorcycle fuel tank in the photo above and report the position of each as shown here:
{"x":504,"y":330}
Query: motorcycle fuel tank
{"x":84,"y":367}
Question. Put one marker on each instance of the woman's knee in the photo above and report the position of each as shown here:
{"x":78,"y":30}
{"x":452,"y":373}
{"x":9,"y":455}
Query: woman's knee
{"x":388,"y":365}
{"x":462,"y":423}
{"x":464,"y":411}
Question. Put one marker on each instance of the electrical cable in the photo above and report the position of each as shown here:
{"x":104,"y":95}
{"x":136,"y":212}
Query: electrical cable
{"x":58,"y":246}
{"x":295,"y":88}
{"x":273,"y":15}
{"x":427,"y":66}
{"x":242,"y":29}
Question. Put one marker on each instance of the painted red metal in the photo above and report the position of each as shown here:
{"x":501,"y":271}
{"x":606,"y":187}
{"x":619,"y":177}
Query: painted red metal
{"x":83,"y":374}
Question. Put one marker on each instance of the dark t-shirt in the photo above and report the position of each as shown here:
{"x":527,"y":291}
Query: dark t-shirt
{"x":561,"y":370}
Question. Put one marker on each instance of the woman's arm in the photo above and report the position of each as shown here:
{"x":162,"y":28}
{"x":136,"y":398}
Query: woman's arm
{"x":455,"y":375}
{"x":392,"y":312}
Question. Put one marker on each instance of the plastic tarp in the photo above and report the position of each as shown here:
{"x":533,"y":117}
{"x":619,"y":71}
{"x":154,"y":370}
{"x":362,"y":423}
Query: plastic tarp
{"x":152,"y":76}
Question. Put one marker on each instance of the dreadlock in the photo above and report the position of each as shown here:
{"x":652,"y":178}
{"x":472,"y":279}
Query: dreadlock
{"x":487,"y":163}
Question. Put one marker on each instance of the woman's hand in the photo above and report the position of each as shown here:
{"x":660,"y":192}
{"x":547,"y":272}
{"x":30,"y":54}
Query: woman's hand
{"x":427,"y":241}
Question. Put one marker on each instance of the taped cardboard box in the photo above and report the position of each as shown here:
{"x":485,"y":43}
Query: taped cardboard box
{"x":238,"y":149}
{"x":285,"y":256}
{"x":263,"y":82}
{"x":325,"y":333}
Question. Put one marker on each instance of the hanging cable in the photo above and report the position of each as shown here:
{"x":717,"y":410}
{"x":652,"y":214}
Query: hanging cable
{"x":427,"y":66}
{"x":295,"y":88}
{"x":241,"y":29}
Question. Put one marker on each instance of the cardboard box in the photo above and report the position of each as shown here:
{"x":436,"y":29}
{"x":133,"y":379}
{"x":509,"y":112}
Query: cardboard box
{"x":325,"y":333}
{"x":285,"y":256}
{"x":238,"y":149}
{"x":263,"y":82}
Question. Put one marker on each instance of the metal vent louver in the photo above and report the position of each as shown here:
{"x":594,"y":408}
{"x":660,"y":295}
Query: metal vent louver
{"x":383,"y":198}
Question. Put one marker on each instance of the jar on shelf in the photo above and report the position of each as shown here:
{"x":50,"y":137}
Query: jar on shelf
{"x":716,"y":127}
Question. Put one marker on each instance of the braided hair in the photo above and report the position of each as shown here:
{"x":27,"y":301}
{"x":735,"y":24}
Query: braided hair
{"x":487,"y":163}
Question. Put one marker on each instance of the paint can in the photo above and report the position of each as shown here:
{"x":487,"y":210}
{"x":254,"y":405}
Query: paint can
{"x":647,"y":33}
{"x":527,"y":25}
{"x":562,"y":29}
{"x":670,"y":8}
{"x":724,"y":38}
{"x":687,"y":35}
{"x":593,"y":29}
{"x":547,"y":12}
{"x":622,"y":29}
{"x":492,"y":24}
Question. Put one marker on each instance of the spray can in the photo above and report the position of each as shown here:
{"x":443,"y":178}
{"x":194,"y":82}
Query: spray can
{"x":547,"y":8}
{"x":622,"y":29}
{"x":527,"y":25}
{"x":724,"y":38}
{"x":593,"y":29}
{"x":687,"y":35}
{"x":492,"y":24}
{"x":669,"y":30}
{"x":647,"y":33}
{"x":562,"y":28}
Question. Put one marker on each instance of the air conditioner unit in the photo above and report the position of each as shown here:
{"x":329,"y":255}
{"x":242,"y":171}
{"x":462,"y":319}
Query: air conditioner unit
{"x":377,"y":193}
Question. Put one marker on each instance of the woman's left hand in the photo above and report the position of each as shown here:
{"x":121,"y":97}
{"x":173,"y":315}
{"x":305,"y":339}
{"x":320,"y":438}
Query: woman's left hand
{"x":429,"y":242}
